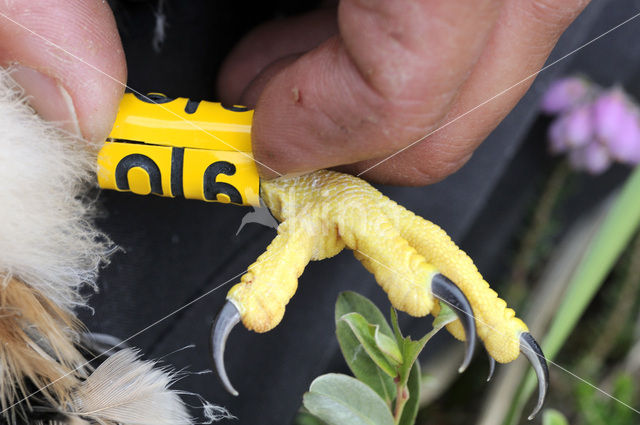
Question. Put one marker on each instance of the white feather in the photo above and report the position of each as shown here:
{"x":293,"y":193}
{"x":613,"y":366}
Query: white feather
{"x":213,"y":413}
{"x":48,"y":241}
{"x":47,"y":238}
{"x":129,"y":391}
{"x":160,"y":30}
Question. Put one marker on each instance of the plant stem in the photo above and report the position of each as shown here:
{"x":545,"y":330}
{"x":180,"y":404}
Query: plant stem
{"x":536,"y":231}
{"x":621,"y":223}
{"x":619,"y":314}
{"x":401,"y":399}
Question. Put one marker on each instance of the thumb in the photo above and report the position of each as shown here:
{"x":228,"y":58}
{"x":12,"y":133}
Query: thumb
{"x":385,"y":80}
{"x":69,"y":59}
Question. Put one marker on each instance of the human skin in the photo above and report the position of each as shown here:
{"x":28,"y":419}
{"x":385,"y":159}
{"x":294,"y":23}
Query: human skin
{"x":344,"y":86}
{"x":78,"y":82}
{"x":356,"y":84}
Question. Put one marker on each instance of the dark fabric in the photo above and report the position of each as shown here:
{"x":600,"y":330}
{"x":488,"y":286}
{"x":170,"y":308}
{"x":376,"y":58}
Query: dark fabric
{"x":175,"y":251}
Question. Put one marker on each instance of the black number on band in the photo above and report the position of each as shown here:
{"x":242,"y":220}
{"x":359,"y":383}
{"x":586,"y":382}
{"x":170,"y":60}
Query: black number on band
{"x":235,"y":108}
{"x":155,"y":98}
{"x":177,"y":165}
{"x":141,"y":161}
{"x":213,"y":188}
{"x":192,"y":106}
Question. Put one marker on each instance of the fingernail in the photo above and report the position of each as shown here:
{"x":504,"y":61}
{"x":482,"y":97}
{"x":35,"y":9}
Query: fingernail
{"x":48,"y":98}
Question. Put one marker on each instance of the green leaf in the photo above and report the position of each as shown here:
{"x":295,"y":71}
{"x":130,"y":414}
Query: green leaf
{"x":352,"y":302}
{"x":624,"y":390}
{"x":446,"y":316}
{"x":411,"y":349}
{"x":343,"y":400}
{"x":553,"y":417}
{"x":597,"y":410}
{"x":356,"y":357}
{"x":367,"y":336}
{"x":617,"y":229}
{"x":411,"y":407}
{"x":396,"y":327}
{"x":590,"y":405}
{"x":388,"y":346}
{"x":306,"y":418}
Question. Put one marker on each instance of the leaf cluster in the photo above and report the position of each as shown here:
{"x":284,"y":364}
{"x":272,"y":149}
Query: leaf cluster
{"x":386,"y":386}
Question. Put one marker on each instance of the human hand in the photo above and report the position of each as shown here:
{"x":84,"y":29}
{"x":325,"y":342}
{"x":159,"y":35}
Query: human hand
{"x":79,"y":81}
{"x":351,"y":87}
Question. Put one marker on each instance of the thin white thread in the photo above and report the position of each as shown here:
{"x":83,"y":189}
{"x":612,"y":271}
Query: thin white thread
{"x":194,"y":125}
{"x":137,"y":333}
{"x":507,"y":336}
{"x":501,"y":93}
{"x":375,"y":165}
{"x":123,"y":341}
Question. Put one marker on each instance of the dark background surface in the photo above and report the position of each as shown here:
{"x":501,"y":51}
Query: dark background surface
{"x":178,"y":251}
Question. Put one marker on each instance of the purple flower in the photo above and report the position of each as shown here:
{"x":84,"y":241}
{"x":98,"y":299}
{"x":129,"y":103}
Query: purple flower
{"x":565,"y":94}
{"x":572,"y":129}
{"x":593,"y":158}
{"x":610,"y":110}
{"x":579,"y":129}
{"x":557,"y":139}
{"x":593,"y":130}
{"x":617,"y":125}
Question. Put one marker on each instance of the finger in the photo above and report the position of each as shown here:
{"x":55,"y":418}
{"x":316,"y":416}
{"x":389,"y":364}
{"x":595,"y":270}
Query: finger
{"x":268,"y":44}
{"x":524,"y":35}
{"x":252,"y":92}
{"x":69,"y":60}
{"x":386,"y":79}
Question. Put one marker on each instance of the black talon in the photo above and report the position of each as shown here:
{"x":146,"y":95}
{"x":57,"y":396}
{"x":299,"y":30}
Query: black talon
{"x":445,"y":290}
{"x":228,"y":317}
{"x":530,"y":348}
{"x":492,"y":366}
